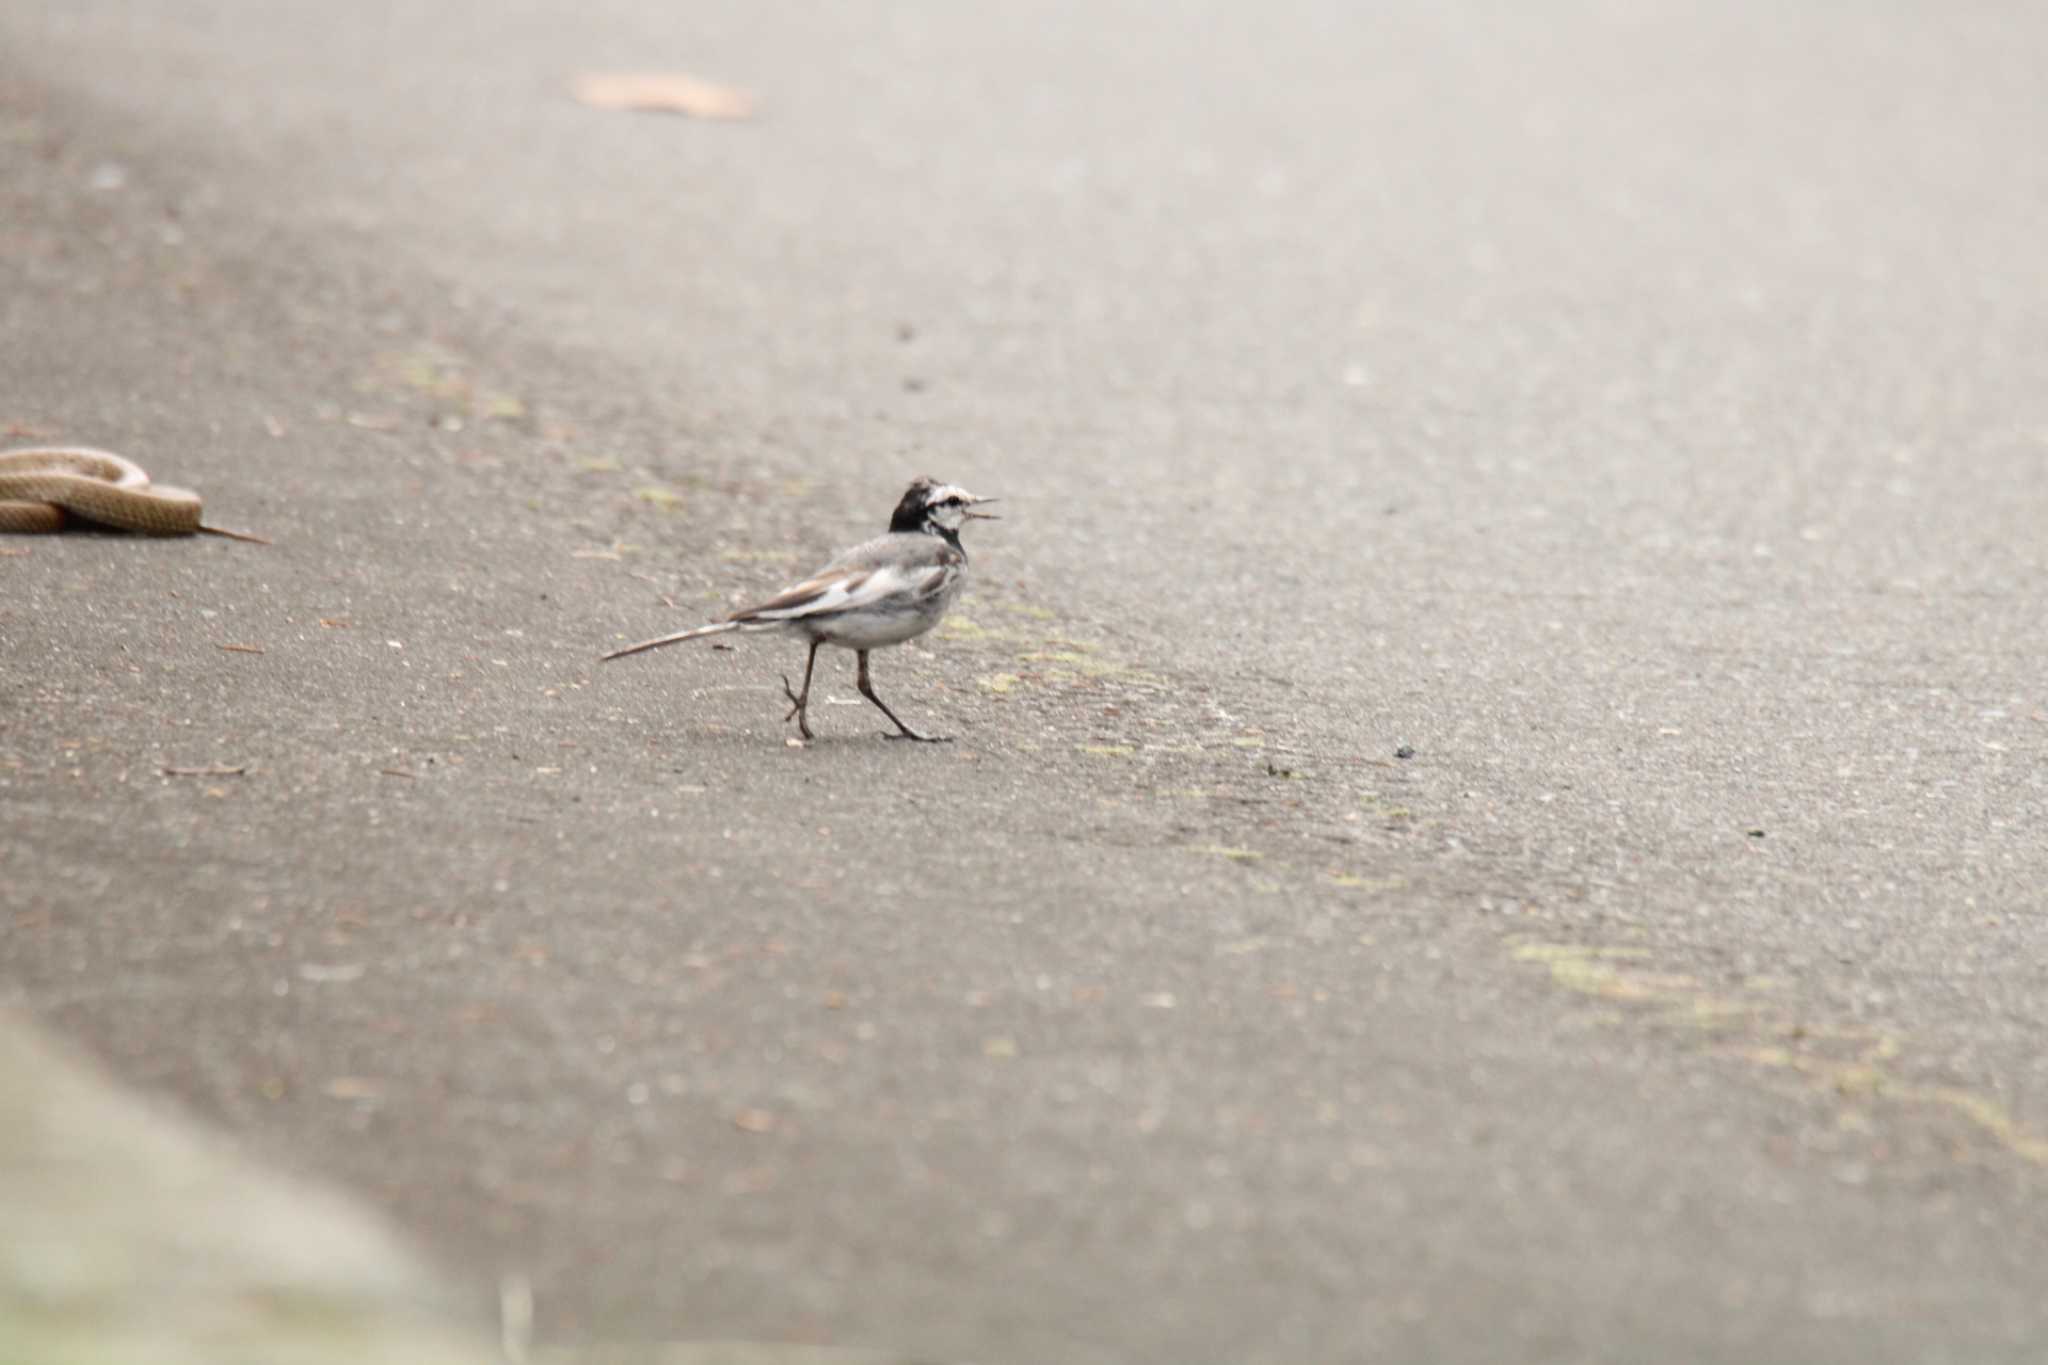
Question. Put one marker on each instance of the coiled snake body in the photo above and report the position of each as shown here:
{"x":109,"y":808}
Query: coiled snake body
{"x":43,"y":488}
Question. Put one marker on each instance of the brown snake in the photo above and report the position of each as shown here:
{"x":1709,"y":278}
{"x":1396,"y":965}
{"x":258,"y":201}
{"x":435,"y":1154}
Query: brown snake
{"x":44,"y":487}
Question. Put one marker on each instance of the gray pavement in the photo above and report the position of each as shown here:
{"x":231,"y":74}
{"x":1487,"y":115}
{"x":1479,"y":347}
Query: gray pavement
{"x":1637,"y":417}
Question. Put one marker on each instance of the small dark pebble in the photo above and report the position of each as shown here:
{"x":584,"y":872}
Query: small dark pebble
{"x":1405,"y":751}
{"x":1756,"y":834}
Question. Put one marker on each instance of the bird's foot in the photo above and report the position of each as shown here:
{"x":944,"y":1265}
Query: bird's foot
{"x":921,"y":739}
{"x":798,"y":707}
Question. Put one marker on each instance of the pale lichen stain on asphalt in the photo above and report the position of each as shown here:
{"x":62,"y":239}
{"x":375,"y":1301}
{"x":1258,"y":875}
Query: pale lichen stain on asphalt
{"x":1775,"y":1041}
{"x":1872,"y":1082}
{"x":1351,"y":881}
{"x":437,"y":374}
{"x":1053,"y":660}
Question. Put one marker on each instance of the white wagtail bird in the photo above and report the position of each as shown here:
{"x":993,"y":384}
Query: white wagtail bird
{"x":891,"y":589}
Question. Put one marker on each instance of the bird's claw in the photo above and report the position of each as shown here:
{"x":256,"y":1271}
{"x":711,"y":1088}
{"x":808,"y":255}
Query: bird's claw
{"x":796,"y":710}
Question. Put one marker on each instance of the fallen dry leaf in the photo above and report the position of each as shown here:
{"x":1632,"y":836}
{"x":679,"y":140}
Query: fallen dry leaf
{"x":754,"y":1121}
{"x":662,"y":92}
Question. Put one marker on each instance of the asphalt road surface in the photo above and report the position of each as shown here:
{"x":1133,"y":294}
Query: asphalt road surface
{"x":1636,"y":417}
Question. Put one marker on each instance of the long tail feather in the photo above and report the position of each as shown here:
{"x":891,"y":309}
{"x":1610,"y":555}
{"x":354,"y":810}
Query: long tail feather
{"x":695,"y":633}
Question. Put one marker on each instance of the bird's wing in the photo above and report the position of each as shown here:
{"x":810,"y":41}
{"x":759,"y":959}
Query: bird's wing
{"x":896,"y":571}
{"x":851,"y":584}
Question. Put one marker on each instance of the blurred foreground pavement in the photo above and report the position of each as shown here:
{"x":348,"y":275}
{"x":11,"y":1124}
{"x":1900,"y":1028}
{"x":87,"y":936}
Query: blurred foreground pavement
{"x":130,"y":1236}
{"x":134,"y":1237}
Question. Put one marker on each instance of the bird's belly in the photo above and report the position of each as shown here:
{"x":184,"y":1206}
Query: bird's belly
{"x":873,"y":629}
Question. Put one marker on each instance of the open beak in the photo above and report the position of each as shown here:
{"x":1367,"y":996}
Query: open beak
{"x":983,"y":516}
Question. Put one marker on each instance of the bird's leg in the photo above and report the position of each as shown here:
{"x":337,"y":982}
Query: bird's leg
{"x":800,"y":703}
{"x":867,"y":689}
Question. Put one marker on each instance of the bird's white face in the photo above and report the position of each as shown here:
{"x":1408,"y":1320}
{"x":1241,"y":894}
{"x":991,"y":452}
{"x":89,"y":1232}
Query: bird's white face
{"x":952,"y":506}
